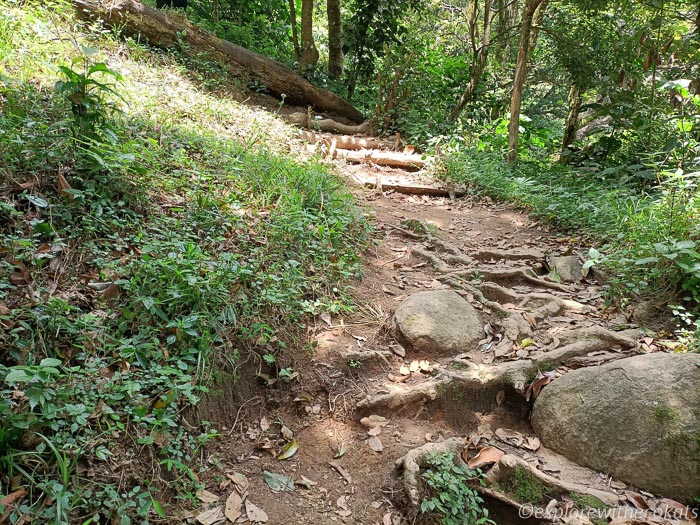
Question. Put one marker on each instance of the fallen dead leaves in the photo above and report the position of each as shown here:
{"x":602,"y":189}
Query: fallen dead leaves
{"x":374,"y":425}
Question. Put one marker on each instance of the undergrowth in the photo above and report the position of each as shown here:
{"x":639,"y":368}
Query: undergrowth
{"x":449,"y":497}
{"x":646,"y":234}
{"x":147,"y":240}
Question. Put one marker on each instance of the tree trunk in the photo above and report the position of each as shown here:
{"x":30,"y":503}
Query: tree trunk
{"x":575,"y":99}
{"x":335,"y":40}
{"x":507,"y":14}
{"x":537,"y":22}
{"x":478,"y":63}
{"x":163,"y":30}
{"x":309,"y":53}
{"x":520,"y":76}
{"x":215,"y":10}
{"x":295,"y":33}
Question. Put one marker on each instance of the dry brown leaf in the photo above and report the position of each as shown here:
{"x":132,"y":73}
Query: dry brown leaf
{"x":532,"y":443}
{"x":234,"y":503}
{"x":206,"y":497}
{"x":500,"y":397}
{"x":374,"y":431}
{"x":264,"y":424}
{"x":326,"y":318}
{"x":375,"y":444}
{"x":255,"y":514}
{"x":239,"y":481}
{"x":486,"y":456}
{"x":637,"y":500}
{"x":425,"y":366}
{"x":510,"y":436}
{"x":414,"y":366}
{"x":398,"y":379}
{"x":210,"y":517}
{"x":287,"y":433}
{"x":404,"y":370}
{"x":386,"y":519}
{"x":398,"y":349}
{"x":63,"y":186}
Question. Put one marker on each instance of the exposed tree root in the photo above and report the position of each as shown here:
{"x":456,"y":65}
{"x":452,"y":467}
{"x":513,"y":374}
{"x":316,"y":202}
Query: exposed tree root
{"x":412,"y":462}
{"x":399,"y":395}
{"x":512,"y":276}
{"x":507,"y":255}
{"x":578,"y":343}
{"x":306,"y":120}
{"x":499,"y":476}
{"x":505,"y":469}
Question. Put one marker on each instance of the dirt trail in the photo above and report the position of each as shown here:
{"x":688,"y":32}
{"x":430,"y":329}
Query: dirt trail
{"x":494,"y":256}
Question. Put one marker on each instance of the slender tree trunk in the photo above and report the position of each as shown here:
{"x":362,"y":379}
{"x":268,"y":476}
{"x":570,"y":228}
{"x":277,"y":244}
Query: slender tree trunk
{"x":520,"y":75}
{"x":507,"y":15}
{"x":335,"y":39}
{"x":478,"y":63}
{"x":215,"y":10}
{"x":309,"y":53}
{"x":295,"y":33}
{"x":575,"y":99}
{"x":536,"y":23}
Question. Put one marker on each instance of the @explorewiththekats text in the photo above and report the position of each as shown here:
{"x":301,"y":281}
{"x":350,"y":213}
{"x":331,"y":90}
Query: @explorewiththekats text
{"x":531,"y":511}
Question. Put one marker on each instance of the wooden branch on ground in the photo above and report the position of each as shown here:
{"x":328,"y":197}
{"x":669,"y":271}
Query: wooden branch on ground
{"x":384,"y":158}
{"x":307,"y":121}
{"x":167,"y":30}
{"x":406,"y":188}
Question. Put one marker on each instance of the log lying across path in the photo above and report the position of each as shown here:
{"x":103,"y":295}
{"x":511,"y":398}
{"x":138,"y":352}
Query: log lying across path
{"x":307,"y":121}
{"x":395,"y":159}
{"x":165,"y":30}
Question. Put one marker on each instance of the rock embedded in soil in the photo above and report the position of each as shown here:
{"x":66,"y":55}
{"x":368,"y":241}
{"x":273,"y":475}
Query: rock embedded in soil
{"x":567,"y":267}
{"x":637,"y":419}
{"x":439,"y":321}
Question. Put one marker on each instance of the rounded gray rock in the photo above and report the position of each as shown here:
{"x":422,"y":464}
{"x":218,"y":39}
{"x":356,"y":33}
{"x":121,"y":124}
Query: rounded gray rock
{"x":636,"y":419}
{"x":439,"y":321}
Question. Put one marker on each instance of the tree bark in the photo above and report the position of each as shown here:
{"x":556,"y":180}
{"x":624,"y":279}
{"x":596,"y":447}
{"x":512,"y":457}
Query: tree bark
{"x":163,"y":30}
{"x":520,"y":76}
{"x":478,"y":63}
{"x":335,"y":40}
{"x":309,"y":53}
{"x":295,"y":33}
{"x":575,"y":99}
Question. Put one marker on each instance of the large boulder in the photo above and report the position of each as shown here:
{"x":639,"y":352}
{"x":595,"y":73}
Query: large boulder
{"x":439,"y":321}
{"x":637,"y":419}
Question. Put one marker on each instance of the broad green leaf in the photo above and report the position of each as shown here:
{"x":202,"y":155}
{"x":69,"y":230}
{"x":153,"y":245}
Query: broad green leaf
{"x":18,"y":376}
{"x":646,"y":260}
{"x":50,"y":361}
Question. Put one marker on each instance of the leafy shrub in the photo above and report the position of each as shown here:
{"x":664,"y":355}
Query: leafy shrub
{"x":449,"y":495}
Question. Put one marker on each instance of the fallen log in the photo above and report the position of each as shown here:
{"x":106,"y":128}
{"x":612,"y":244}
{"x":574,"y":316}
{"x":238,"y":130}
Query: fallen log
{"x":347,"y":141}
{"x":306,"y":120}
{"x":384,"y":158}
{"x":166,"y":30}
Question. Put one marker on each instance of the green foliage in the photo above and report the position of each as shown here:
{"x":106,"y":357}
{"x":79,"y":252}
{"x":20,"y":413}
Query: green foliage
{"x":526,"y":488}
{"x":450,"y":497}
{"x":586,"y":501}
{"x":92,"y":112}
{"x":175,"y":250}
